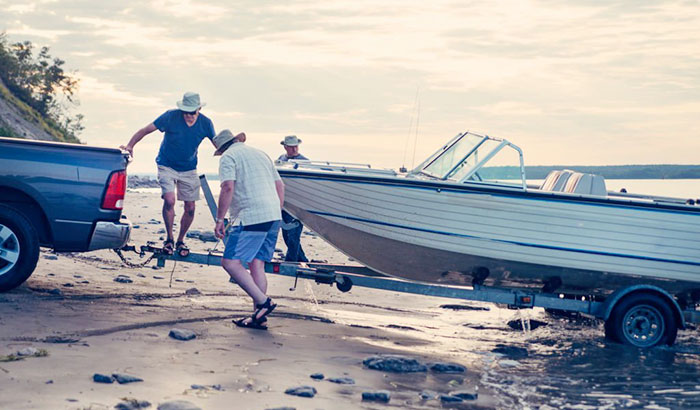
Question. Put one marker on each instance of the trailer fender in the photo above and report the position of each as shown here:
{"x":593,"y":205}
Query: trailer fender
{"x":611,"y":301}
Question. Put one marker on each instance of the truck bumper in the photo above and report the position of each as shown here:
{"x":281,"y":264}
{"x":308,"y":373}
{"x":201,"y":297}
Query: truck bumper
{"x":110,"y":235}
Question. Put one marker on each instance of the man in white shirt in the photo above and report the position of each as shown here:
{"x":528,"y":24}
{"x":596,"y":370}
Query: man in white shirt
{"x":253,"y":192}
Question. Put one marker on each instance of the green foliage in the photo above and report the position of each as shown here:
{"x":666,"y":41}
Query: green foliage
{"x":42,"y":85}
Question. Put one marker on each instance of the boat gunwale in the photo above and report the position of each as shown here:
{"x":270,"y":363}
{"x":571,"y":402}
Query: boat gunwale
{"x":492,"y":188}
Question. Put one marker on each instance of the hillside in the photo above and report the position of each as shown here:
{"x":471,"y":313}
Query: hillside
{"x":19,"y":120}
{"x":36,"y":94}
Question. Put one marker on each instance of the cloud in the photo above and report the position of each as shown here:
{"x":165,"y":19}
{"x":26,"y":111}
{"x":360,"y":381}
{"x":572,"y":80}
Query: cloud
{"x":97,"y":90}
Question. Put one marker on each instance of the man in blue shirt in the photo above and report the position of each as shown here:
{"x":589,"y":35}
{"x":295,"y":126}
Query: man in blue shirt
{"x":292,"y":227}
{"x":184,"y":129}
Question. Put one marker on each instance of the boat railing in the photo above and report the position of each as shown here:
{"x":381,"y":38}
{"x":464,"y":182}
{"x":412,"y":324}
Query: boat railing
{"x":333,"y":166}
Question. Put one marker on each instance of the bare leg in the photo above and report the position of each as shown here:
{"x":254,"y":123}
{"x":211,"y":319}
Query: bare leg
{"x":257,"y":271}
{"x":186,"y":220}
{"x":169,"y":212}
{"x":244,"y":279}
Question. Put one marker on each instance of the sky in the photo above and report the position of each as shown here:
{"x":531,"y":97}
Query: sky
{"x":386,"y":82}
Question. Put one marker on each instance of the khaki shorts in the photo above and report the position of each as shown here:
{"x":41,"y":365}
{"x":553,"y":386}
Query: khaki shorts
{"x":187,"y":183}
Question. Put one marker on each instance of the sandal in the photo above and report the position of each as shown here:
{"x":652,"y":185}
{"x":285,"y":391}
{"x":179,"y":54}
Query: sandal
{"x":252,"y":324}
{"x":259,"y":316}
{"x":182,"y":249}
{"x":168,"y":247}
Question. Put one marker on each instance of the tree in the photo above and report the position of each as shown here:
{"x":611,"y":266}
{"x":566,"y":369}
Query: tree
{"x":41,"y":83}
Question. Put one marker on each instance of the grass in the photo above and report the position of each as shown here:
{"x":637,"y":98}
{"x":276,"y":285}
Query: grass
{"x":32,"y":116}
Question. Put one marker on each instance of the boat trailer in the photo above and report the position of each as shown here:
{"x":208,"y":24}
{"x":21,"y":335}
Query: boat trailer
{"x":640,"y":322}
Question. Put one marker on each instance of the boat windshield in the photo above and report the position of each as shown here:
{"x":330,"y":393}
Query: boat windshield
{"x":466,"y":156}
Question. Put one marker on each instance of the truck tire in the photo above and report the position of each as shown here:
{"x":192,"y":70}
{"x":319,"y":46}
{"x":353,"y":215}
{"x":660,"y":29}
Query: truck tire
{"x":642,"y":320}
{"x":19,"y":248}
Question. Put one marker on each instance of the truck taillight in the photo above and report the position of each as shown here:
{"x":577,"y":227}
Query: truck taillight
{"x":114,"y":197}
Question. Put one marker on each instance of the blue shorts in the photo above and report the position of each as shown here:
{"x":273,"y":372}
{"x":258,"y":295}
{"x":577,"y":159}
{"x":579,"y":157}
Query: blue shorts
{"x":252,"y":241}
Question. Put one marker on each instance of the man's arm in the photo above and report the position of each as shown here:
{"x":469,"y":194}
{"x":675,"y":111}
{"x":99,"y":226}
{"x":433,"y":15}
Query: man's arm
{"x":225,"y":198}
{"x":138,"y":136}
{"x":279,"y":186}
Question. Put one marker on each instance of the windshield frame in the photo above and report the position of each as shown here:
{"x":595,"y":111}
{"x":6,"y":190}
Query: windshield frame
{"x":422,"y":169}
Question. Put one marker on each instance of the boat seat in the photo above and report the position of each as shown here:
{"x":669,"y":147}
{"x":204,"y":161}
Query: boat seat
{"x":556,"y":180}
{"x":587,"y":184}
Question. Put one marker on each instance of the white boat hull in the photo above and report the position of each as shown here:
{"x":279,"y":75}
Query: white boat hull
{"x":444,"y":232}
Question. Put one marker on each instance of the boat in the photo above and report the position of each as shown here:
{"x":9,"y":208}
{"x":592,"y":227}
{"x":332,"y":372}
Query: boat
{"x":454,"y":220}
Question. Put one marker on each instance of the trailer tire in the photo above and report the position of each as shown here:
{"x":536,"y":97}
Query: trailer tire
{"x":19,"y":248}
{"x":642,"y":320}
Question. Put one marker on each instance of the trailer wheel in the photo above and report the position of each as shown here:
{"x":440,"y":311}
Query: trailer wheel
{"x":642,"y":320}
{"x":19,"y":248}
{"x":343,"y":283}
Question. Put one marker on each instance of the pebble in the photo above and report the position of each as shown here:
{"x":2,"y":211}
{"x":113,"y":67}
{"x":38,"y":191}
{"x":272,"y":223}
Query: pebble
{"x":513,"y":352}
{"x":123,"y":279}
{"x":161,"y":230}
{"x":192,"y":292}
{"x":125,"y":378}
{"x":447,"y":368}
{"x":380,"y":395}
{"x":68,"y":285}
{"x":28,"y":351}
{"x":158,"y":277}
{"x":51,"y":257}
{"x":282,"y":408}
{"x":342,"y":380}
{"x":85,"y":281}
{"x":132,"y":404}
{"x":208,"y":236}
{"x":465,"y":395}
{"x":317,"y":376}
{"x":182,"y":334}
{"x":56,"y":291}
{"x":301,"y":391}
{"x":102,"y":378}
{"x":508,"y":363}
{"x":394,"y":364}
{"x":428,"y":395}
{"x":136,"y":226}
{"x":203,"y":387}
{"x":154,"y":222}
{"x":178,"y":405}
{"x":140,"y":275}
{"x":450,"y":399}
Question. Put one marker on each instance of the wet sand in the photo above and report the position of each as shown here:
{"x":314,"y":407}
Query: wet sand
{"x":88,"y":323}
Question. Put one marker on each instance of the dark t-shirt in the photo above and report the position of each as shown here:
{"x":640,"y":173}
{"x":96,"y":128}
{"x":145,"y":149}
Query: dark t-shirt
{"x":180,"y":142}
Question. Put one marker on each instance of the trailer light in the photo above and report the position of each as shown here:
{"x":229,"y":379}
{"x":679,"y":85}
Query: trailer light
{"x":116,"y":189}
{"x":275,"y":268}
{"x":525,"y":299}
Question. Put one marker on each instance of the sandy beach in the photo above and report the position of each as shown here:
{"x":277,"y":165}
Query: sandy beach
{"x":74,"y":321}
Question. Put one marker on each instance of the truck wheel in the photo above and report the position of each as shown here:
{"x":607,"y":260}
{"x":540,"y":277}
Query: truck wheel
{"x":642,"y":320}
{"x":19,"y":248}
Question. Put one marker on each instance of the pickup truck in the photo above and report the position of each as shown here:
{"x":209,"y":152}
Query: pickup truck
{"x":67,"y":197}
